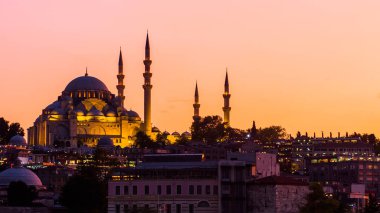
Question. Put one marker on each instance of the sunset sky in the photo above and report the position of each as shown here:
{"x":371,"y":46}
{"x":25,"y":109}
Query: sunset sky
{"x":304,"y":65}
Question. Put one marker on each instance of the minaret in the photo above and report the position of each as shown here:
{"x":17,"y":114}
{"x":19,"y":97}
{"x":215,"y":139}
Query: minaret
{"x":196,"y":104}
{"x":226,"y":96}
{"x":147,"y":90}
{"x":120,"y":81}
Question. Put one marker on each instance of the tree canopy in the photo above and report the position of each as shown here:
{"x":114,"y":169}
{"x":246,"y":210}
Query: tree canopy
{"x":86,"y":191}
{"x":144,"y":141}
{"x":271,"y":134}
{"x":317,"y":202}
{"x":162,"y":139}
{"x":211,"y":129}
{"x":7,"y":131}
{"x":372,"y":206}
{"x":84,"y":194}
{"x":20,"y":194}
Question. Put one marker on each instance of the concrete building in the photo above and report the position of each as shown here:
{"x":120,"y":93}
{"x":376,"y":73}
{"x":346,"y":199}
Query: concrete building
{"x":276,"y":194}
{"x":266,"y":165}
{"x":180,"y":183}
{"x":340,"y":172}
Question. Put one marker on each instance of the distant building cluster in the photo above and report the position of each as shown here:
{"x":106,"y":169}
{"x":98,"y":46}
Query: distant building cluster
{"x":245,"y":175}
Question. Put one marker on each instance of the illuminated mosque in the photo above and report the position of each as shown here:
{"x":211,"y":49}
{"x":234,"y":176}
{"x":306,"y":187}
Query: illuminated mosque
{"x":87,"y":113}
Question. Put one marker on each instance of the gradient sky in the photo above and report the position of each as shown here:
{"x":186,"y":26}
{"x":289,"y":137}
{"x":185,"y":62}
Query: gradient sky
{"x":304,"y":65}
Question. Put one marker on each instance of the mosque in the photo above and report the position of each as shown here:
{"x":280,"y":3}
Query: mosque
{"x":87,"y":111}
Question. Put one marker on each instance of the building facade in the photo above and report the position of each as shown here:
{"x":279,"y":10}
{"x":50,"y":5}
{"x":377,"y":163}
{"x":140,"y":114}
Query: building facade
{"x":276,"y":194}
{"x":180,"y":183}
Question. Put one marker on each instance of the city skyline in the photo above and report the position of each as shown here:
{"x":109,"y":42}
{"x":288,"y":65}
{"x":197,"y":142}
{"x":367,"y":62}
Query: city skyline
{"x":280,"y":71}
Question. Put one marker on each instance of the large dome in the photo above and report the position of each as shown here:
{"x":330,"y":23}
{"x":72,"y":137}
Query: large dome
{"x":19,"y":174}
{"x":17,"y":140}
{"x":86,"y":83}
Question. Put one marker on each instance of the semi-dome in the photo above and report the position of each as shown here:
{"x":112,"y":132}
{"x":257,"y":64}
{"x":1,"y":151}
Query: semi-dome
{"x":95,"y":112}
{"x":186,"y":133}
{"x":175,"y":134}
{"x":111,"y":113}
{"x":58,"y":111}
{"x":79,"y":112}
{"x":132,"y":114}
{"x":86,"y":83}
{"x":105,"y":142}
{"x":17,"y":140}
{"x":53,"y":106}
{"x":19,"y":174}
{"x":155,"y":129}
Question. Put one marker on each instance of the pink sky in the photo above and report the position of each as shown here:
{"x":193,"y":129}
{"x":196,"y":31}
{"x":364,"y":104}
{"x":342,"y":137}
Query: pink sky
{"x":304,"y":65}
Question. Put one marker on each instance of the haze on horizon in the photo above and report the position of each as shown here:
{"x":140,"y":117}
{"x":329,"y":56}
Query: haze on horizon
{"x":304,"y":65}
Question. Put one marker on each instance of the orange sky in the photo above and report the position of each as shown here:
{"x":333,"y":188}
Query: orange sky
{"x":304,"y":65}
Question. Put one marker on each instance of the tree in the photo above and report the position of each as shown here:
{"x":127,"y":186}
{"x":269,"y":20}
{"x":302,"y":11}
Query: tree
{"x":19,"y":194}
{"x":317,"y":202}
{"x":84,"y":194}
{"x":234,"y":134}
{"x":7,"y":131}
{"x":144,"y":141}
{"x":368,"y":138}
{"x":209,"y":129}
{"x":4,"y":126}
{"x":98,"y":166}
{"x":15,"y":129}
{"x":162,"y":139}
{"x":372,"y":206}
{"x":183,"y":140}
{"x":271,"y":134}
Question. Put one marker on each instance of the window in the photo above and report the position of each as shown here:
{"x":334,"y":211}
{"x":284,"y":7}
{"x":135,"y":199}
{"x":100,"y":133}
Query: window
{"x":117,"y":208}
{"x":208,"y":190}
{"x":191,"y":189}
{"x":215,"y":190}
{"x":168,"y":189}
{"x":125,"y":190}
{"x":168,"y":208}
{"x":191,"y":208}
{"x":199,"y":189}
{"x":225,"y":173}
{"x":179,"y":189}
{"x":159,"y":190}
{"x":146,"y":189}
{"x":178,"y":208}
{"x":117,"y":191}
{"x":134,"y":190}
{"x":146,"y":206}
{"x":226,"y":189}
{"x":126,"y":207}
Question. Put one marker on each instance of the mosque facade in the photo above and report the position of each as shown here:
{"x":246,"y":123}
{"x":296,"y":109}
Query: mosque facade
{"x":86,"y":111}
